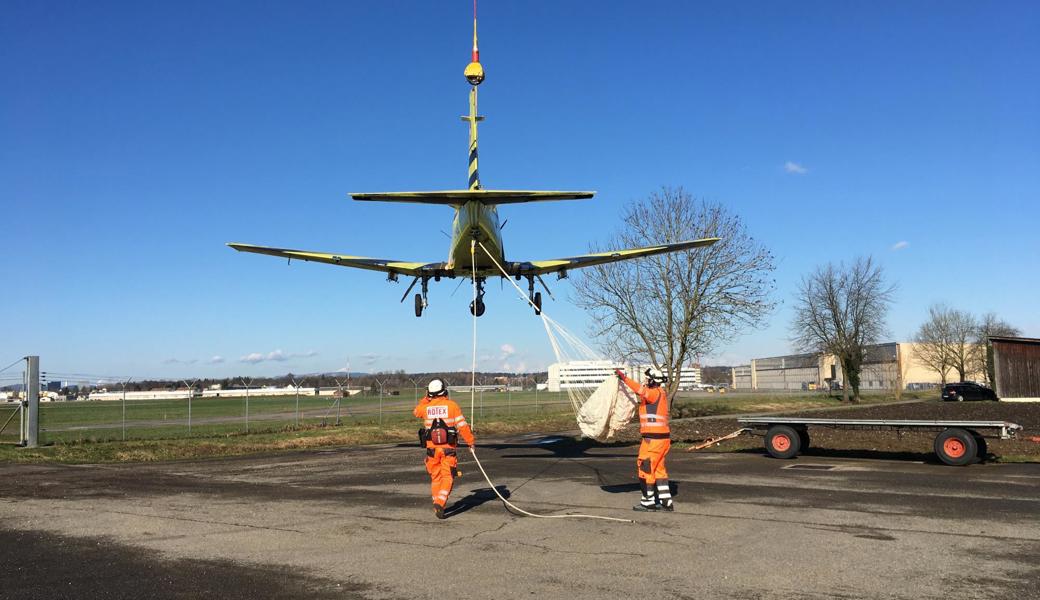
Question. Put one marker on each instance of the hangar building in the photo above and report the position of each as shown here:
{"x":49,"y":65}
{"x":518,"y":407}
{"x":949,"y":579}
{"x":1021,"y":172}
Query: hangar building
{"x":894,"y":365}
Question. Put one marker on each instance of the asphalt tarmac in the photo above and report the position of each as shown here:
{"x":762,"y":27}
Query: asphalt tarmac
{"x":357,"y":523}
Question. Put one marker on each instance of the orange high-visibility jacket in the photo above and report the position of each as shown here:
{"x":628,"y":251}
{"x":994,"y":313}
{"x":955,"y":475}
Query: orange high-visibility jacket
{"x":446,"y":409}
{"x":653,"y":410}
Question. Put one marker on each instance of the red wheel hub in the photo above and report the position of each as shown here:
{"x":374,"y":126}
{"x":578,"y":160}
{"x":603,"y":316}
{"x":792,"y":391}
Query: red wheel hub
{"x":954,"y":448}
{"x":781,"y":442}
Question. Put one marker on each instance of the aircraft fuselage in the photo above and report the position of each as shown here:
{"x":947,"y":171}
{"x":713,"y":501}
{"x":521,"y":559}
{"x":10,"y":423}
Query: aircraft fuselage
{"x":475,"y":220}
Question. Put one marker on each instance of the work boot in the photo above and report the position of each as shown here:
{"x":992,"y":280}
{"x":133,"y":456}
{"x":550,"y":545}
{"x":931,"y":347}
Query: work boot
{"x":645,"y":508}
{"x":438,"y":510}
{"x":670,"y":507}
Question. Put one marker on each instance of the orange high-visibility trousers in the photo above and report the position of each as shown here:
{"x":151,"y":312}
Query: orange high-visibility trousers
{"x":440,"y":466}
{"x":650,"y":461}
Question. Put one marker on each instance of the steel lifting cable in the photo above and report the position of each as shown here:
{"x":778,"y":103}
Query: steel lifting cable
{"x":473,"y":374}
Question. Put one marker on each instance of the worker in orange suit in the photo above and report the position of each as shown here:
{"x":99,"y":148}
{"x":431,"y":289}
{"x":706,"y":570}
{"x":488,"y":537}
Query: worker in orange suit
{"x":657,"y":440}
{"x":443,"y":423}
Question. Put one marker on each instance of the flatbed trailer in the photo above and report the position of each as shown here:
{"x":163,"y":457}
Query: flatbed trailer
{"x":957,"y":443}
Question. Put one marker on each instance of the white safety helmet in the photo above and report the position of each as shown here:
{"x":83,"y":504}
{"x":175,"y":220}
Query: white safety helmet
{"x":436,"y":388}
{"x":655,"y":375}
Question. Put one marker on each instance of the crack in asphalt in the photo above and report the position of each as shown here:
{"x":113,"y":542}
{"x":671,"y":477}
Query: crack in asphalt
{"x":814,"y":524}
{"x":557,"y":550}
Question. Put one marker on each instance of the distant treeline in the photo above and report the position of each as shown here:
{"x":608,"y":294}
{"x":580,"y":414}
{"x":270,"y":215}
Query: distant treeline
{"x":398,"y":380}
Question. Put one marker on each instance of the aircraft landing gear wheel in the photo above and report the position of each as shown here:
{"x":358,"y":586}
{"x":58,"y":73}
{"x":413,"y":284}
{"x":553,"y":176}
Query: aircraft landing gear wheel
{"x":538,"y":303}
{"x":418,"y":305}
{"x":783,"y":441}
{"x":956,"y":447}
{"x":479,"y":310}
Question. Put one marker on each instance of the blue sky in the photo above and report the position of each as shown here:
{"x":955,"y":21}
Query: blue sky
{"x":137,"y":138}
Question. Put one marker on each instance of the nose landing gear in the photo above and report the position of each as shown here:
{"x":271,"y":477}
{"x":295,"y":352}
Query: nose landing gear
{"x":476,"y":307}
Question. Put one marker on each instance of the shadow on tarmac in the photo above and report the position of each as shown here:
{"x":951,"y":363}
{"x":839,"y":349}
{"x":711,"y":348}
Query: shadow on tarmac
{"x":624,"y":488}
{"x":814,"y":452}
{"x":476,"y":498}
{"x":561,"y":447}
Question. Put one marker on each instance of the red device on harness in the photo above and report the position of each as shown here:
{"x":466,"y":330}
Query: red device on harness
{"x":440,"y":434}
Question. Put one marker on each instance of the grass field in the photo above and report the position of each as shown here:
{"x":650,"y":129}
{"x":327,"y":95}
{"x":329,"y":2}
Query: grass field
{"x":157,"y":429}
{"x":65,"y":422}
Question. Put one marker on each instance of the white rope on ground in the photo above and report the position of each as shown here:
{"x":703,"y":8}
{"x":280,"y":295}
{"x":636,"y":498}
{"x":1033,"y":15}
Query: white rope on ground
{"x":531,"y":514}
{"x":581,"y":351}
{"x":473,"y":377}
{"x":713,"y":441}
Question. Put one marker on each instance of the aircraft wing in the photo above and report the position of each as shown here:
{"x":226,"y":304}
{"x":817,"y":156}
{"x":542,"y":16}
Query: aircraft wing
{"x":541,"y":267}
{"x":357,"y":262}
{"x":460,"y":197}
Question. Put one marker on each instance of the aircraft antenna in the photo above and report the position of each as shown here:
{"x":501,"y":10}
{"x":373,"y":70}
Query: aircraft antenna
{"x":474,"y":75}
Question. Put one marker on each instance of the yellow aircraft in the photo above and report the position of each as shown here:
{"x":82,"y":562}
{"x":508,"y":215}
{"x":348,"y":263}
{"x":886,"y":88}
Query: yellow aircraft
{"x":476,"y":220}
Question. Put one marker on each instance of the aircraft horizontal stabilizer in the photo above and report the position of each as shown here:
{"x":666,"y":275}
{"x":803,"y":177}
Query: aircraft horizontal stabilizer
{"x":460,"y":197}
{"x":357,"y":262}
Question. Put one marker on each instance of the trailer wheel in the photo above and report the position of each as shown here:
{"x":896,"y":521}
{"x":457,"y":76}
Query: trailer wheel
{"x":783,"y":441}
{"x":980,"y":442}
{"x":803,"y":438}
{"x":956,"y":447}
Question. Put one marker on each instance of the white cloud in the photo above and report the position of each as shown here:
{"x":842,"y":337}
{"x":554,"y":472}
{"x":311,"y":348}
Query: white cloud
{"x":507,"y":350}
{"x":216,"y":360}
{"x":795,"y":168}
{"x":900,"y":245}
{"x":275,"y":356}
{"x":177,"y":361}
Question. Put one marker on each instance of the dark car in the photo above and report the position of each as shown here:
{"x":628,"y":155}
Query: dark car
{"x":967,"y":390}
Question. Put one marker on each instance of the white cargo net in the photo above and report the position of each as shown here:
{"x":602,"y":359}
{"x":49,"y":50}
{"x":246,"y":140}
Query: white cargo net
{"x":602,"y":404}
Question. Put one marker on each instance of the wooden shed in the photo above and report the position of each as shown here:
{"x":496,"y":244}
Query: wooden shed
{"x":1016,"y":368}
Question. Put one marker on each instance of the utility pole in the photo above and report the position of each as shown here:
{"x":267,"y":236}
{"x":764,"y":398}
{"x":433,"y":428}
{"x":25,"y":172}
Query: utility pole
{"x":32,"y":401}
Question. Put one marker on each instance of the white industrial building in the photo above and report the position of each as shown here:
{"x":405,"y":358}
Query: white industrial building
{"x":262,"y":391}
{"x":576,"y":374}
{"x":689,"y":376}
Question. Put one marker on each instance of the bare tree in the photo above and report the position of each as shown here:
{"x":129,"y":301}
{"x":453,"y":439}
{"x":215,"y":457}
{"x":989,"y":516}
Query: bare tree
{"x":932,"y":342}
{"x":668,"y":308}
{"x":963,"y":330}
{"x":990,"y":325}
{"x":840,"y":310}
